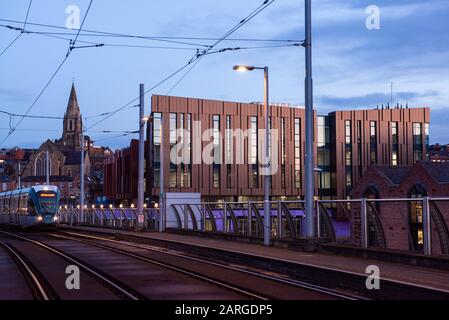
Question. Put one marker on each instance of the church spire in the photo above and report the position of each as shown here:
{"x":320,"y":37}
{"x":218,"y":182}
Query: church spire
{"x":73,"y":124}
{"x":73,"y":107}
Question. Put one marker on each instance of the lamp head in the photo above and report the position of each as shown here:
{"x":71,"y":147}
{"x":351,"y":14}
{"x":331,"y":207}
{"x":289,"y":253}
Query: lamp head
{"x":241,"y":68}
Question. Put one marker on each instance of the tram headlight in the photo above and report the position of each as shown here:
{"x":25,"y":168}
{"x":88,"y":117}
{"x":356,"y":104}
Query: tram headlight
{"x":39,"y":218}
{"x":55,"y":218}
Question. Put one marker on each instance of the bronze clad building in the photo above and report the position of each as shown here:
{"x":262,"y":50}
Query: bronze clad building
{"x":346,"y":144}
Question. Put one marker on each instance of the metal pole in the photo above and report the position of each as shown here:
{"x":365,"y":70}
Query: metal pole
{"x":266,"y":205}
{"x":82,"y":178}
{"x":19,"y":175}
{"x":47,"y":167}
{"x":427,"y":227}
{"x":309,"y":161}
{"x":140,"y":185}
{"x":161,"y":180}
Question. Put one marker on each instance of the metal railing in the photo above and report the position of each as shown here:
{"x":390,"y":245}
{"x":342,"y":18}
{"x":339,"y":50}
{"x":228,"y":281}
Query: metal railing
{"x":418,"y":225}
{"x":121,"y":218}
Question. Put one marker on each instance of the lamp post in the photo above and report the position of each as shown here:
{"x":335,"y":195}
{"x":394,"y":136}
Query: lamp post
{"x":266,"y":164}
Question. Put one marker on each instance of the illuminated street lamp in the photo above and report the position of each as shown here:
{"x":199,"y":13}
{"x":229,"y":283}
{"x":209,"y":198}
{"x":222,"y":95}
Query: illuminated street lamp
{"x":267,"y":165}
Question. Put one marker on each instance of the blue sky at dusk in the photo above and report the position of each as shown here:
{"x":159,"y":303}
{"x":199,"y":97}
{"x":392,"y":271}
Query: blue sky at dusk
{"x":353,"y":66}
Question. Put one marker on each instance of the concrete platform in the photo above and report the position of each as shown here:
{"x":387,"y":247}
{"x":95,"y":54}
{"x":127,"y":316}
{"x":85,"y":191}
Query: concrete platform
{"x":424,"y":277}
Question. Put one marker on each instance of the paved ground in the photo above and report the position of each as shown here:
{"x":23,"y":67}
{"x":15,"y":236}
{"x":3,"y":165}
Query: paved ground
{"x":427,"y":277}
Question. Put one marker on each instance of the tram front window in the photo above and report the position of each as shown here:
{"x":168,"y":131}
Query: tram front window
{"x":47,"y":202}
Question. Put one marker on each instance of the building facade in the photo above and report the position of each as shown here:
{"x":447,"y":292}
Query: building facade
{"x":346,"y":144}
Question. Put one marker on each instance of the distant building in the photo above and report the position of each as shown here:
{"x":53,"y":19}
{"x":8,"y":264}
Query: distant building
{"x":346,"y":144}
{"x":439,"y":153}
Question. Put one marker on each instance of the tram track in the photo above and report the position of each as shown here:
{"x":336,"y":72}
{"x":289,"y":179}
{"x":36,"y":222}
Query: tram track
{"x":39,"y":288}
{"x":284,"y":281}
{"x":118,"y":288}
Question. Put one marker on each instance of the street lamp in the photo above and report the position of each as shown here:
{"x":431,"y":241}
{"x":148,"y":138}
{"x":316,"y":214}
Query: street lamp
{"x":266,"y":164}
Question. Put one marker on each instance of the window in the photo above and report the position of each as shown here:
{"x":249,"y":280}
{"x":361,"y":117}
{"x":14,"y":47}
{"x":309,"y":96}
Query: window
{"x":173,"y":174}
{"x":348,"y":155}
{"x":157,"y":118}
{"x":253,"y":145}
{"x":229,"y":154}
{"x":373,"y":142}
{"x":359,"y":148}
{"x":283,"y":155}
{"x":417,"y":142}
{"x":394,"y":143}
{"x":217,"y":150}
{"x":416,"y":218}
{"x":297,"y":141}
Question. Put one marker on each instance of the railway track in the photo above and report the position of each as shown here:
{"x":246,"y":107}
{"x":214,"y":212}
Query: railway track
{"x":114,"y":245}
{"x":38,"y":287}
{"x":118,"y":288}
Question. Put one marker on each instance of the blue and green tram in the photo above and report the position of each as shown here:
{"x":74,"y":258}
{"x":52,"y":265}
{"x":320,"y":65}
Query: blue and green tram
{"x":37,"y":206}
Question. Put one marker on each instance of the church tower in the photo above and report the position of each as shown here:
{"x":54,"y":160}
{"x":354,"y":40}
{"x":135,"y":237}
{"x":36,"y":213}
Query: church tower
{"x":73,"y":123}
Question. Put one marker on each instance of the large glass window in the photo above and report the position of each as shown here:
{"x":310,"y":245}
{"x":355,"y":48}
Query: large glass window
{"x":283,"y":154}
{"x":173,"y":174}
{"x":297,"y":153}
{"x":417,"y":142}
{"x":253,"y":145}
{"x":416,"y":218}
{"x":229,"y":153}
{"x":373,"y":142}
{"x":156,"y":148}
{"x":348,"y":155}
{"x":394,"y":143}
{"x":217,"y":150}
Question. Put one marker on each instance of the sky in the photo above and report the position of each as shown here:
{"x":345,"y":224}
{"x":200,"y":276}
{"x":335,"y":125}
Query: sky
{"x":353,"y":66}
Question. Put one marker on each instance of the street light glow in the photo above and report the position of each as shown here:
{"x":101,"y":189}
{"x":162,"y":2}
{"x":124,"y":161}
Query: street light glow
{"x":241,"y":68}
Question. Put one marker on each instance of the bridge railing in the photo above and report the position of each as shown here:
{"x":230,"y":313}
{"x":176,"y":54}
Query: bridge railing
{"x":120,"y":218}
{"x":418,"y":225}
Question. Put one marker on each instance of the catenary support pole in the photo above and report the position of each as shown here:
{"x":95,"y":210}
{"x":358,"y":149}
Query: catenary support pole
{"x":140,"y":182}
{"x":309,"y":158}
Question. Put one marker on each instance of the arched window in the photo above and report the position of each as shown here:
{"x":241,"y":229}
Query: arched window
{"x":416,"y":218}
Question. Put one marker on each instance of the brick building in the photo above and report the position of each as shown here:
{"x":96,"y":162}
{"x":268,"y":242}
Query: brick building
{"x":401,"y":222}
{"x":120,"y":174}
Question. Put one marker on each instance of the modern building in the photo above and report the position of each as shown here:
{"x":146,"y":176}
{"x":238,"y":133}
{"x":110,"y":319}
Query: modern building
{"x":346,"y":144}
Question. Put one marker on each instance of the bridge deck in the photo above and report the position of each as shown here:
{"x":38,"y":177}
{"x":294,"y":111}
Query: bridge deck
{"x":409,"y":274}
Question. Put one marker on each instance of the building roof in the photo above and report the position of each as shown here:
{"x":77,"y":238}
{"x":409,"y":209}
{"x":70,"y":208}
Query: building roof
{"x":438,"y":170}
{"x":394,"y":174}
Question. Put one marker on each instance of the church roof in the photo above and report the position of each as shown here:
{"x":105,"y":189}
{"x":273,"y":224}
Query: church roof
{"x":73,"y":107}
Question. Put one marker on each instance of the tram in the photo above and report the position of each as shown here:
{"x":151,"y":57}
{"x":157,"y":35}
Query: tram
{"x":37,"y":206}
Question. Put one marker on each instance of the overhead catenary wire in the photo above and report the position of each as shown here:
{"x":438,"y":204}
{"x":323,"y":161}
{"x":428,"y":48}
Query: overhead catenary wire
{"x":196,"y":57}
{"x":14,"y":128}
{"x":94,"y":33}
{"x":20,"y":34}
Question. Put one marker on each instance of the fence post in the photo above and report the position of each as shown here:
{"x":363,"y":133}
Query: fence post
{"x":427,"y":227}
{"x":279,"y":220}
{"x":203,"y":217}
{"x":186,"y":218}
{"x":225,"y":217}
{"x":364,"y":223}
{"x":250,"y":219}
